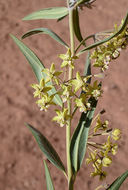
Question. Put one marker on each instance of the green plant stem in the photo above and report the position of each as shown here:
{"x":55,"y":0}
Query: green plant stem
{"x":72,"y":42}
{"x":69,"y":103}
{"x":90,"y":36}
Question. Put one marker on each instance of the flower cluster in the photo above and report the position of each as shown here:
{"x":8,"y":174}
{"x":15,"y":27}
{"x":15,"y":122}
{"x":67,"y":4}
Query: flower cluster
{"x":76,"y":88}
{"x":101,"y":125}
{"x":100,"y":155}
{"x":62,"y":117}
{"x":82,"y":103}
{"x":52,"y":75}
{"x":68,"y":60}
{"x":104,"y":53}
{"x":42,"y":92}
{"x":66,"y":92}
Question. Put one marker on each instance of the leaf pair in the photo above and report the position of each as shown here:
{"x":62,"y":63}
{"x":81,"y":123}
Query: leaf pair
{"x":35,"y":63}
{"x":48,"y":13}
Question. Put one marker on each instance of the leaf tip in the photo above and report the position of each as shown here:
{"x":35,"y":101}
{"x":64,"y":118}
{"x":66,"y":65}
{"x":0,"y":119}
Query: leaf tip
{"x":12,"y":36}
{"x":44,"y":162}
{"x":22,"y":37}
{"x":24,"y":19}
{"x":28,"y":125}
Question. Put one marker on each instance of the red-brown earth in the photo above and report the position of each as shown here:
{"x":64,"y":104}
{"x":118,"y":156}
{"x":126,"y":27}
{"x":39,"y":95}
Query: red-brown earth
{"x":21,"y":165}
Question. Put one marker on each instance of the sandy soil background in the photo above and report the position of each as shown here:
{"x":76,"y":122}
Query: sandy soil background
{"x":21,"y":166}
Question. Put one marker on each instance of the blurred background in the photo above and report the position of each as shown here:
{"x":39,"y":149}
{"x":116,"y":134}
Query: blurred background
{"x":21,"y":165}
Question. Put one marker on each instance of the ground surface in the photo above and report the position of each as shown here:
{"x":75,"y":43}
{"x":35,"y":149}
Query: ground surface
{"x":21,"y":166}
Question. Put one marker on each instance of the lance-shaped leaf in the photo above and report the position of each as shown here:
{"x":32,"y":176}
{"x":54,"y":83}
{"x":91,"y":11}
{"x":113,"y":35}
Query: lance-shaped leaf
{"x":79,"y":139}
{"x":46,"y":148}
{"x":45,"y":31}
{"x":36,"y":66}
{"x":49,"y":182}
{"x":87,"y":69}
{"x":76,"y":25}
{"x":106,"y":39}
{"x":80,"y":136}
{"x":48,"y":13}
{"x":118,"y":182}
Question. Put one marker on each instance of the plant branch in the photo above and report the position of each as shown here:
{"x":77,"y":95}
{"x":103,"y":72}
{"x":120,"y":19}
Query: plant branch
{"x":69,"y":102}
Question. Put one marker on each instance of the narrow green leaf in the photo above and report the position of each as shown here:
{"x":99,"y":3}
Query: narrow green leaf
{"x":49,"y":182}
{"x":84,"y":135}
{"x":60,"y":19}
{"x":33,"y":60}
{"x":48,"y":13}
{"x":74,"y":147}
{"x":106,"y":39}
{"x":45,"y":31}
{"x":118,"y":182}
{"x":46,"y":148}
{"x":76,"y":25}
{"x":36,"y":66}
{"x":80,"y":136}
{"x":87,"y":69}
{"x":79,"y":139}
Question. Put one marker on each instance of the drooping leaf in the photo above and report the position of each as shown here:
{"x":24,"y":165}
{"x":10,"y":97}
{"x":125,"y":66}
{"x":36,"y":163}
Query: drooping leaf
{"x":118,"y":182}
{"x":48,"y":13}
{"x":46,"y":148}
{"x":33,"y":60}
{"x":49,"y":182}
{"x":76,"y":25}
{"x":36,"y":66}
{"x":80,"y":137}
{"x":106,"y":39}
{"x":45,"y":31}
